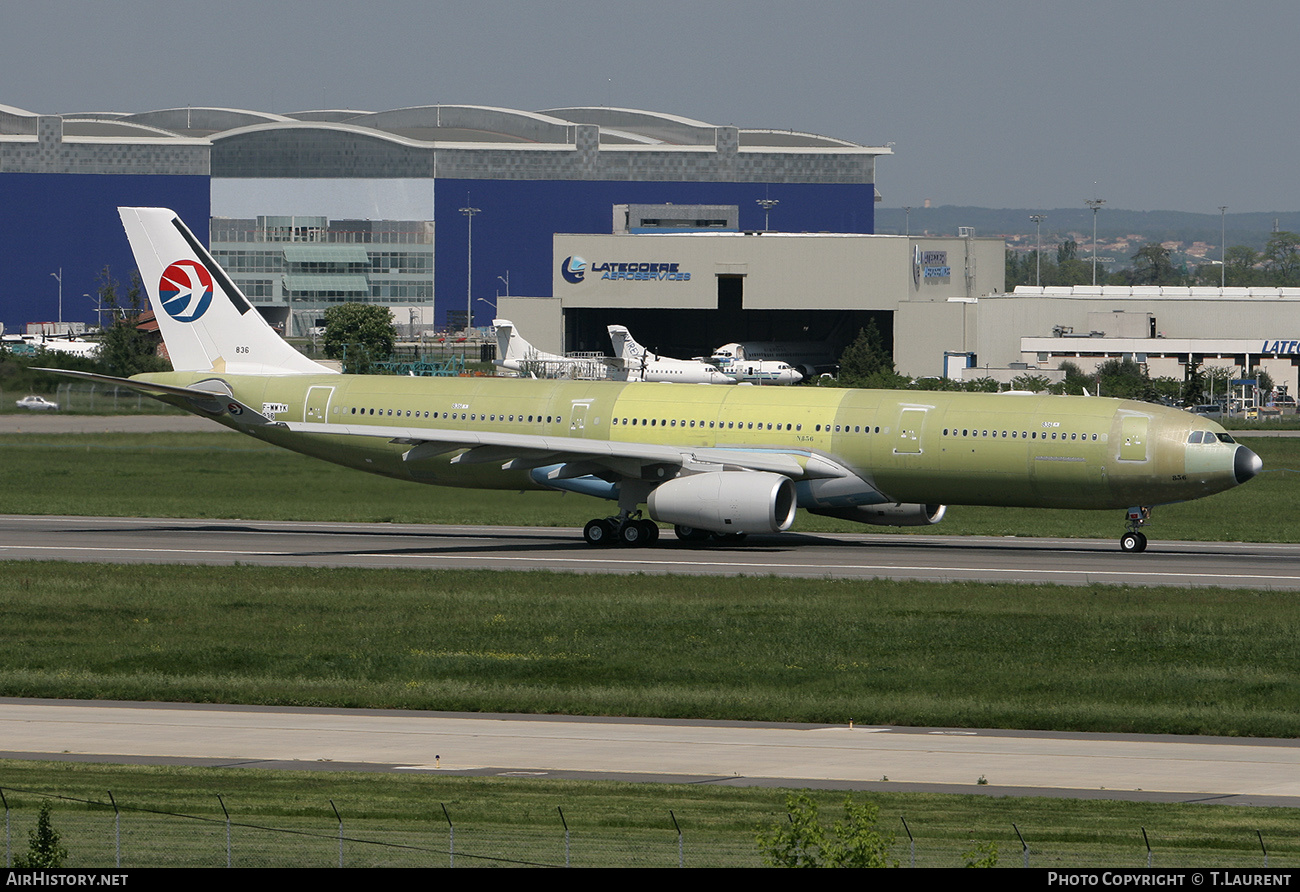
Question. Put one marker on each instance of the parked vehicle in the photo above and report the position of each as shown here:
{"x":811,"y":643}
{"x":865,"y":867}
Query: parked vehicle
{"x":38,"y":403}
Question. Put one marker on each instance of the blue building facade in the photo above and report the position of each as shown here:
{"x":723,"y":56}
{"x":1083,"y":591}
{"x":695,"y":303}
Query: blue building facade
{"x":67,"y":221}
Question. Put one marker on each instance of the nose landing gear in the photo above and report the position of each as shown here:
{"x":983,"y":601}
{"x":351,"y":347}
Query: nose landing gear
{"x":1134,"y":540}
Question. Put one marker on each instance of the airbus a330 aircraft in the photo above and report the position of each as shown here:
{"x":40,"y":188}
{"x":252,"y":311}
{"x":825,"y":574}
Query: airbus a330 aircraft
{"x":713,"y":461}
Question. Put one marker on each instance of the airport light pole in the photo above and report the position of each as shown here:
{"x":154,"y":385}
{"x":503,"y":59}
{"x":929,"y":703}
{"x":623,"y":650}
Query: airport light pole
{"x":1223,"y":246}
{"x":59,"y":276}
{"x":506,"y":279}
{"x":1038,"y":251}
{"x":469,"y":213}
{"x":907,"y":222}
{"x":1095,"y":204}
{"x":767,"y":204}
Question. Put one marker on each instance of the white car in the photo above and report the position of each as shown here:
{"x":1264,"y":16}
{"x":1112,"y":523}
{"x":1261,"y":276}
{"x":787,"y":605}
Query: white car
{"x":37,"y":402}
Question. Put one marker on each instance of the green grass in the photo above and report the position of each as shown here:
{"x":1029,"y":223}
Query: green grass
{"x":502,"y":821}
{"x":221,"y":475}
{"x":1094,"y":658}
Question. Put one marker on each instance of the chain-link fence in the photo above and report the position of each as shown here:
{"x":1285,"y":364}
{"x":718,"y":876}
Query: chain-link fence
{"x":107,"y":400}
{"x":94,"y":399}
{"x":110,"y":833}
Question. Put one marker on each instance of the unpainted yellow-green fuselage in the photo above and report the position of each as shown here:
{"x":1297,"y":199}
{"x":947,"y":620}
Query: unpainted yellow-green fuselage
{"x":914,"y":446}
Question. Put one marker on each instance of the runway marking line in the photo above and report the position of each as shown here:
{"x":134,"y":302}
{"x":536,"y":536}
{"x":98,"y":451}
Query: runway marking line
{"x":654,"y":565}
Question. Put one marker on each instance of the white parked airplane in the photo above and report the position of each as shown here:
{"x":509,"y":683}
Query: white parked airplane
{"x":71,"y":345}
{"x":642,"y":365}
{"x":761,"y":371}
{"x":808,"y":357}
{"x":517,"y":355}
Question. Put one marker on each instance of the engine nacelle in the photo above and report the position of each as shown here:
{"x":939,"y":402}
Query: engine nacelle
{"x":726,"y":502}
{"x":894,"y":514}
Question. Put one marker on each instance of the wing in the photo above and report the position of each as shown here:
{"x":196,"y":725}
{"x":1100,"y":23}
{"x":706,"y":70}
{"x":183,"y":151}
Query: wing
{"x":580,"y":456}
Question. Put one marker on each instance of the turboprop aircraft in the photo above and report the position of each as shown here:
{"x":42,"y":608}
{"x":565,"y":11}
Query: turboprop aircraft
{"x":761,"y":371}
{"x":809,"y":357}
{"x":712,"y":461}
{"x":639,"y":364}
{"x":517,"y":355}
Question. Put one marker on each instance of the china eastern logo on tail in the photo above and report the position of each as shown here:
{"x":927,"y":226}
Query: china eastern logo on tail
{"x":185,"y":290}
{"x":573,"y":269}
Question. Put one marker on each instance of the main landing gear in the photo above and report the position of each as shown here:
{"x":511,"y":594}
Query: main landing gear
{"x":1134,"y":540}
{"x":627,"y":529}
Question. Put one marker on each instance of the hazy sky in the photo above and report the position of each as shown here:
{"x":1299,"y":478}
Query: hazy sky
{"x":1006,"y":103}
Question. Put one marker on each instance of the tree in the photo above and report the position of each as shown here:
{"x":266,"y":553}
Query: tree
{"x":1031,"y":383}
{"x":1193,"y":384}
{"x":1263,"y":381}
{"x":1218,"y":378}
{"x":1075,"y":380}
{"x":1152,"y":266}
{"x":1239,"y":266}
{"x":124,"y":349}
{"x":43,"y":849}
{"x":1282,"y":258}
{"x":985,"y":384}
{"x":803,"y":841}
{"x":359,"y":334}
{"x":867,"y":363}
{"x":1125,"y":379}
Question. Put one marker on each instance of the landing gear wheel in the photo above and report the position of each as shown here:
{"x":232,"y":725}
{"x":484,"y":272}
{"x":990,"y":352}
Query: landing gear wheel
{"x":633,"y":534}
{"x":599,"y":533}
{"x":1133,"y":542}
{"x":651,"y":532}
{"x":691,"y":534}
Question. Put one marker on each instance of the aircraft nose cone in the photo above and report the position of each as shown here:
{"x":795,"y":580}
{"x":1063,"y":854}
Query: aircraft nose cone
{"x":1246,"y":464}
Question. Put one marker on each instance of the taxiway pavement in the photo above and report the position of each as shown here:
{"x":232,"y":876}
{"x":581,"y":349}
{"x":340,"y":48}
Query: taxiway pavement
{"x":1109,"y":766}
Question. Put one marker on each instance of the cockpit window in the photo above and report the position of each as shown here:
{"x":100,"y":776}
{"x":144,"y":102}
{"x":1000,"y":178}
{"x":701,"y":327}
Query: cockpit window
{"x":1225,"y":438}
{"x":1195,"y":436}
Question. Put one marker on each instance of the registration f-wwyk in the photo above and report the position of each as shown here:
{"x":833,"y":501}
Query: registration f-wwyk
{"x":714,"y":462}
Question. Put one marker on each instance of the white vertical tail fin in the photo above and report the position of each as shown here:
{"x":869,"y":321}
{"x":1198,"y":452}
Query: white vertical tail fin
{"x":625,"y":348}
{"x":512,"y":349}
{"x":510,"y":346}
{"x":206,"y":322}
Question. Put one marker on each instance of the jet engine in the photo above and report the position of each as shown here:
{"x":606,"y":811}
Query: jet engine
{"x":726,"y":502}
{"x":897,"y":514}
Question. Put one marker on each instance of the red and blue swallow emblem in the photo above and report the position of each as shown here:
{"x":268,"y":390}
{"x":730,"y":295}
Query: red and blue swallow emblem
{"x":185,"y":290}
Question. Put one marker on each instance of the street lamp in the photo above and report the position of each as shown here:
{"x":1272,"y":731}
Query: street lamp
{"x":469,"y":213}
{"x":1223,"y":246}
{"x":767,"y":204}
{"x":59,"y":276}
{"x":1038,"y":251}
{"x":907,"y":221}
{"x":506,"y":279}
{"x":1095,"y":204}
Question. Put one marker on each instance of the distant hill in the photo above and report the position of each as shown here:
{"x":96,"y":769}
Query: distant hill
{"x":1251,"y":229}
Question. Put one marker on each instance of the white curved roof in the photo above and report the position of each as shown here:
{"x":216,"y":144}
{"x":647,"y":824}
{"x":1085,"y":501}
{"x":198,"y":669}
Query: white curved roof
{"x":435,"y":123}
